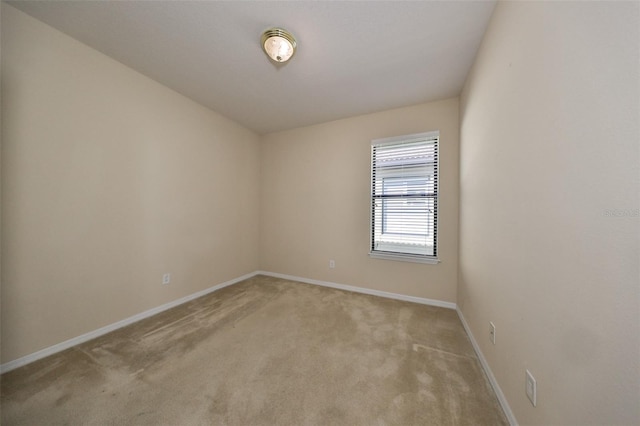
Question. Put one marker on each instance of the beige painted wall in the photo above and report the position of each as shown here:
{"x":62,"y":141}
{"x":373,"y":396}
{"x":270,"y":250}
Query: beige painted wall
{"x":315,"y":186}
{"x":109,"y":180}
{"x":0,"y":190}
{"x":550,"y":147}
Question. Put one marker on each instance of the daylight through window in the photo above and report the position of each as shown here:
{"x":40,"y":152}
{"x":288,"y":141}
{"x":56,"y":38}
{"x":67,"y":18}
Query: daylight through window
{"x":404,"y":197}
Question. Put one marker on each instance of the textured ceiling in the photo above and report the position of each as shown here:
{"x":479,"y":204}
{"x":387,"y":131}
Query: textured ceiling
{"x":353,"y":57}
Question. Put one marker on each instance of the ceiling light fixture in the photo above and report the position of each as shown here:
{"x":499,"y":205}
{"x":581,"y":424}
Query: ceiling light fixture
{"x":279,"y":44}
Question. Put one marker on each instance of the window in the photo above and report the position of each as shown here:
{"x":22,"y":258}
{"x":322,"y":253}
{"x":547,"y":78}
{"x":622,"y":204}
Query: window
{"x":404,"y":197}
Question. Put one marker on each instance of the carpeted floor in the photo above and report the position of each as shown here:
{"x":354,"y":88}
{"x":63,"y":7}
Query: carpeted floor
{"x":265,"y":351}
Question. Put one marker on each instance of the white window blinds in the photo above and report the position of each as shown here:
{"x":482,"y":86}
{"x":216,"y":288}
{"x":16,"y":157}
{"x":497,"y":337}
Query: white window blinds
{"x":404,"y":197}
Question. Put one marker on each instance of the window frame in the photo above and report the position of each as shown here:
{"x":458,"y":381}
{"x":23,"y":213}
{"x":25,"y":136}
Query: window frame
{"x":405,"y":256}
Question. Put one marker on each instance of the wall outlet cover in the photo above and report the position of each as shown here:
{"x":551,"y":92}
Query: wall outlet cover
{"x":531,"y":388}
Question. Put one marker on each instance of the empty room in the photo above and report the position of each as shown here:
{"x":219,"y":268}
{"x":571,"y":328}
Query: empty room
{"x":320,"y":213}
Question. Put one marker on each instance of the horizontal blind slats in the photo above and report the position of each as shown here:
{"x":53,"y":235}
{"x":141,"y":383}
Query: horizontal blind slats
{"x":404,"y":193}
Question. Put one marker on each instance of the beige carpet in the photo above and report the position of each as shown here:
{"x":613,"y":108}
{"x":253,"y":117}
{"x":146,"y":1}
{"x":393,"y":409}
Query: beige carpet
{"x":264,"y":352}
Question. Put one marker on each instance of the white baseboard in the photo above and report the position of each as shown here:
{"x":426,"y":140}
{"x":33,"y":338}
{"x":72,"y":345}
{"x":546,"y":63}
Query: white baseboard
{"x":11,"y":365}
{"x":485,"y":365}
{"x":27,"y":359}
{"x":363,"y":290}
{"x":59,"y":347}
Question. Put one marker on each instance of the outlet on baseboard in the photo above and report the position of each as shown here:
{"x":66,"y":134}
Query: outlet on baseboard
{"x":166,"y":278}
{"x":492,"y":332}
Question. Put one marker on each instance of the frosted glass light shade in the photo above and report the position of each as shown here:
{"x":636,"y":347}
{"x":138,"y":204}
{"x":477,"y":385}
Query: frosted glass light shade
{"x":278,"y":44}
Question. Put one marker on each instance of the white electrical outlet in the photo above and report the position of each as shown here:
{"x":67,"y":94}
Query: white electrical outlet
{"x":492,"y":332}
{"x":332,"y":264}
{"x":166,"y":278}
{"x":530,"y":388}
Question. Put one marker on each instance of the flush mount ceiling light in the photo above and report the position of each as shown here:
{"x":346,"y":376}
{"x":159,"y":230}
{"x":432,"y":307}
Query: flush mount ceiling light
{"x":279,"y":44}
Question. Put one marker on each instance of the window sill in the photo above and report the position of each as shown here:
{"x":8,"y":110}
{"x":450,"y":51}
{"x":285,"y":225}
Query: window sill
{"x":404,"y":257}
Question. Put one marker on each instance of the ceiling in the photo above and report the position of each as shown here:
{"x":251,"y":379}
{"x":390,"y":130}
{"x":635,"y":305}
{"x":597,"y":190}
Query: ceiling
{"x":353,"y":57}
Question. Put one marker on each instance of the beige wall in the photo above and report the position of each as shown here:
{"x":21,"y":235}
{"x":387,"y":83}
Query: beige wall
{"x":549,"y":145}
{"x":315,"y":186}
{"x":108,"y":181}
{"x":0,"y":191}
